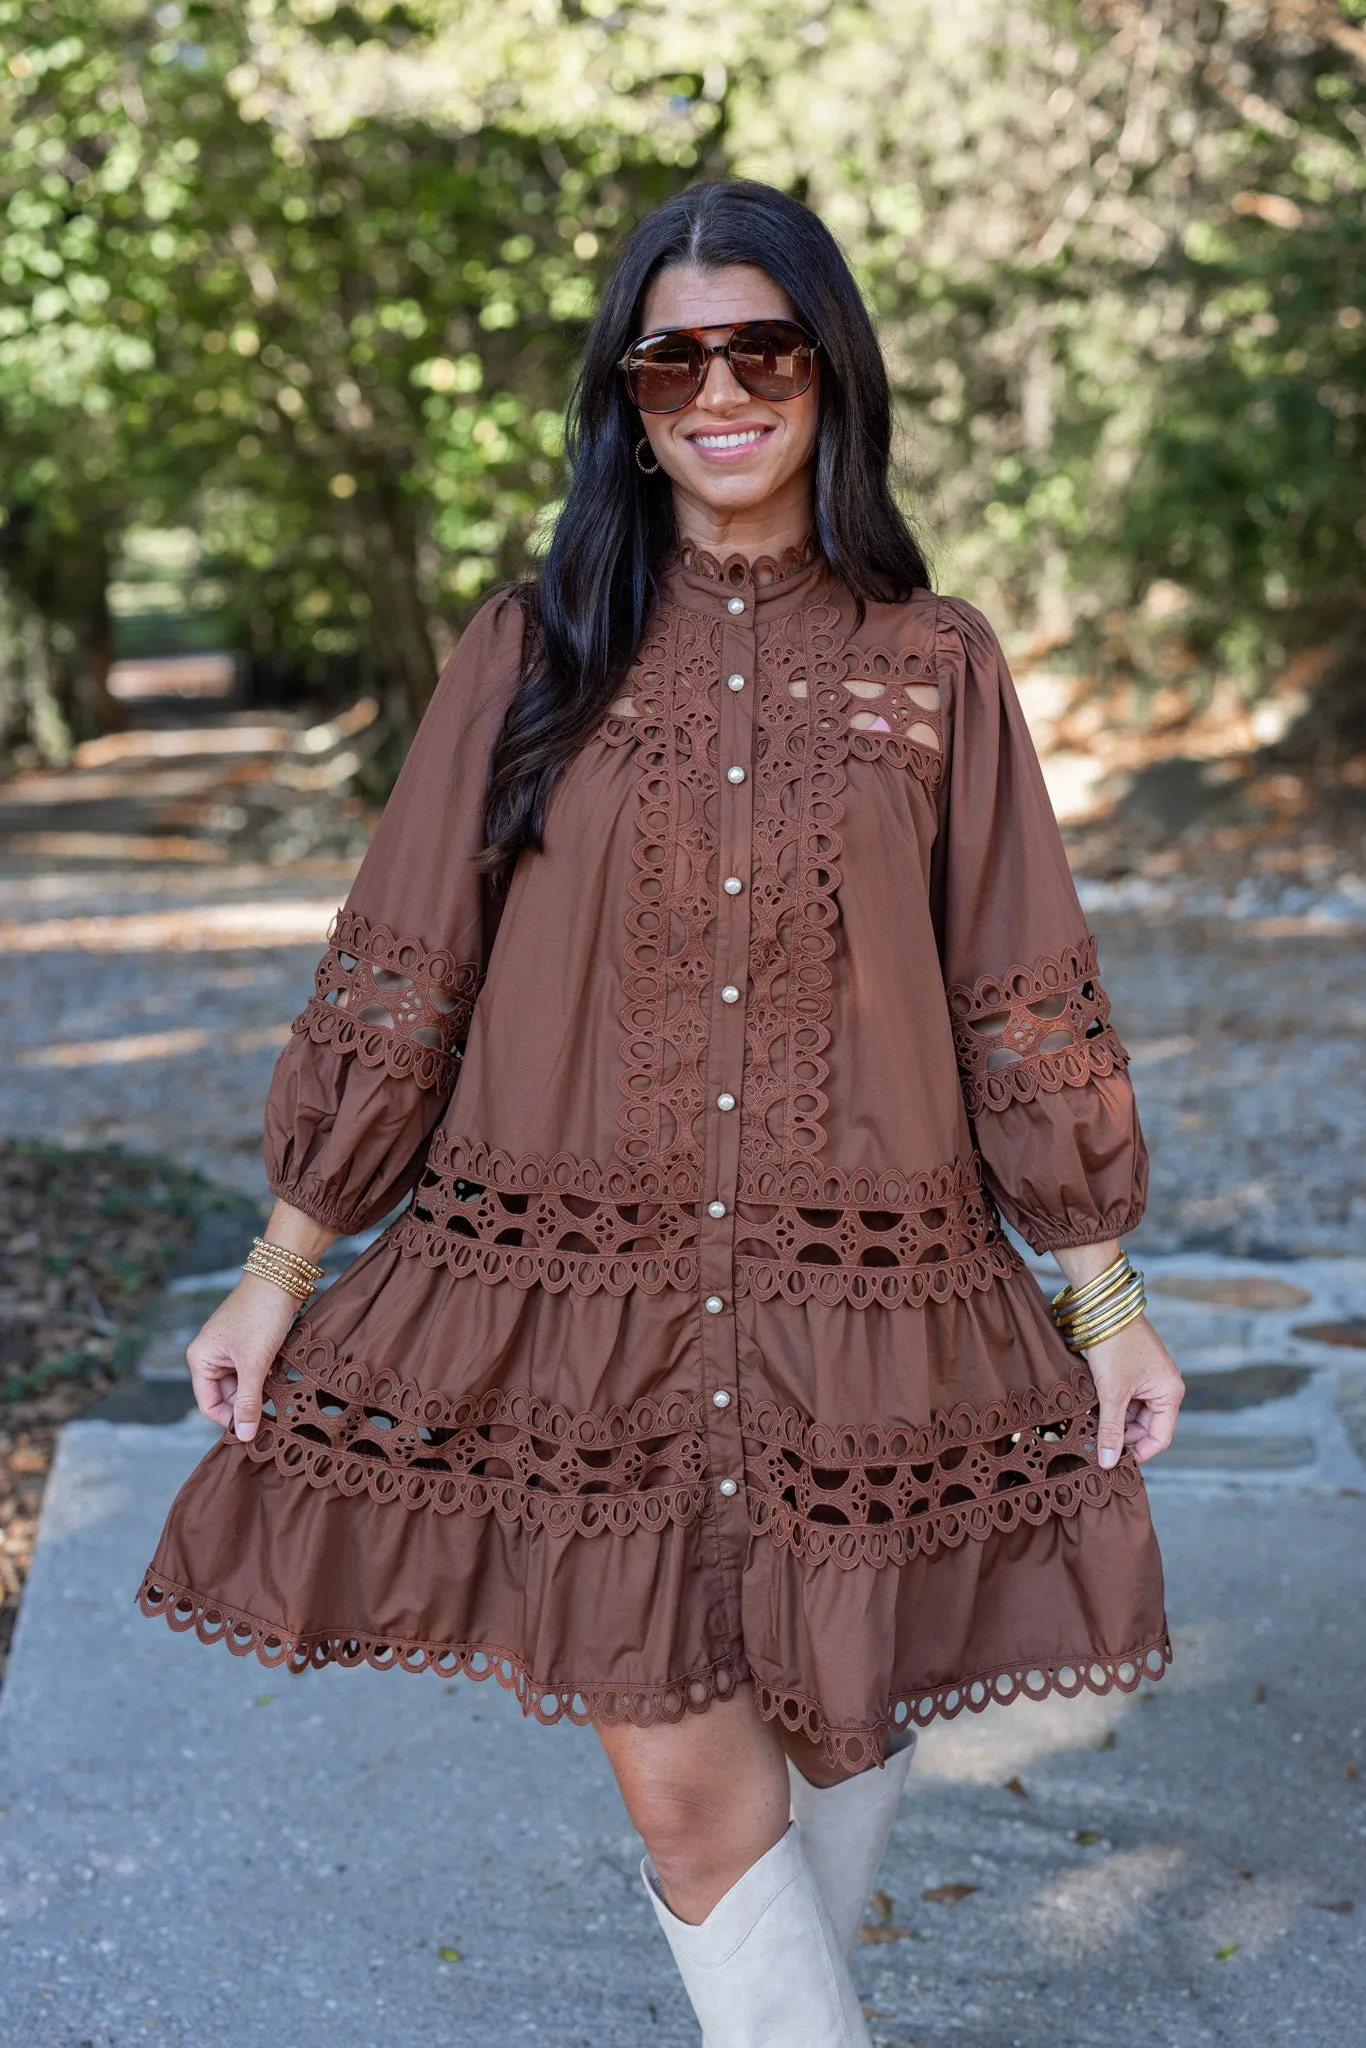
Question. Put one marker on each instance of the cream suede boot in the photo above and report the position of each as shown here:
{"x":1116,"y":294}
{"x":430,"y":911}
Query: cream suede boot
{"x":844,"y":1830}
{"x":764,"y":1970}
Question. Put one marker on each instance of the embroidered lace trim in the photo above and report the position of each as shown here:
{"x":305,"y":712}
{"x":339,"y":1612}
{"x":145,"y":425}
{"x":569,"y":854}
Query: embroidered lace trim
{"x":532,"y":1463}
{"x":390,"y":1002}
{"x":274,"y":1645}
{"x":669,"y":950}
{"x":855,"y":1748}
{"x":551,"y":1223}
{"x":813,"y":1233}
{"x":893,"y":1239}
{"x":800,"y":748}
{"x":865,"y":1494}
{"x":1034,"y":1030}
{"x":764,"y":569}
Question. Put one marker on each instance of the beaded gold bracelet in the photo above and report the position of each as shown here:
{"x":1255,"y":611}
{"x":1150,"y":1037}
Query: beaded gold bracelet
{"x":1100,"y":1307}
{"x":289,"y":1270}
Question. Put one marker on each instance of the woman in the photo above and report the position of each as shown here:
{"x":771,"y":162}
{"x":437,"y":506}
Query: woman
{"x":714,"y":978}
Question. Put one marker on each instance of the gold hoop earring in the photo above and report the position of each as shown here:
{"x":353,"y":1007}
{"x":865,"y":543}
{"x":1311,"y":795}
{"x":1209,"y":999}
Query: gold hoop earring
{"x":654,"y":467}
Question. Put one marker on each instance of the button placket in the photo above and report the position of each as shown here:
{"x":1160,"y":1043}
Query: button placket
{"x":725,"y":1067}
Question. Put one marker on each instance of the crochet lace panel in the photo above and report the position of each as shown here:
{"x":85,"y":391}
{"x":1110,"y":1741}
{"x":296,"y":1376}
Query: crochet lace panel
{"x":390,"y":1002}
{"x":819,"y":1234}
{"x":1034,"y":1030}
{"x":329,"y":1420}
{"x":873,"y":1494}
{"x":845,"y":1494}
{"x":848,"y":1746}
{"x":818,"y":702}
{"x":894,"y":1239}
{"x":670,"y":945}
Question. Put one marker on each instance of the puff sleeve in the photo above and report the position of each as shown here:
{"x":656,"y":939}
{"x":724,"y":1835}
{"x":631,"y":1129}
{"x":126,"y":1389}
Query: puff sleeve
{"x":1043,"y":1072}
{"x":371,"y":1064}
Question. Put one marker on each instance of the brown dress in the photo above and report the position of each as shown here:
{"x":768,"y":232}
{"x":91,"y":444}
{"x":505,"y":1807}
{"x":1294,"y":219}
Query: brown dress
{"x":699,"y":1353}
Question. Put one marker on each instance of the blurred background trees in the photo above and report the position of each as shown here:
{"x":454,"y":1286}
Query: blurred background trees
{"x":297,"y":287}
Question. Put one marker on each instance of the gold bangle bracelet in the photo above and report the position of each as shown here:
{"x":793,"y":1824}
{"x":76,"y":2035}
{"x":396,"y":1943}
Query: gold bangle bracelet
{"x":1133,"y":1296}
{"x":1116,"y":1296}
{"x":1086,"y":1336}
{"x":1072,"y":1299}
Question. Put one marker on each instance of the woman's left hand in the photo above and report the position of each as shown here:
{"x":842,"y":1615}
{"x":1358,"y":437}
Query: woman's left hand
{"x":1140,"y":1392}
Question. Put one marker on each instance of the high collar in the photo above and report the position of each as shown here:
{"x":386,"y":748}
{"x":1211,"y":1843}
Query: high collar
{"x":691,"y":574}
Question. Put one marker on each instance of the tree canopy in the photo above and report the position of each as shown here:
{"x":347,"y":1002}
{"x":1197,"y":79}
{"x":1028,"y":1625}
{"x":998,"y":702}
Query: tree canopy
{"x":309,"y":279}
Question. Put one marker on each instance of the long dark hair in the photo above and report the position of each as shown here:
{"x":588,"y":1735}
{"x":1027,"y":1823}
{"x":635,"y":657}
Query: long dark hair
{"x":586,"y":612}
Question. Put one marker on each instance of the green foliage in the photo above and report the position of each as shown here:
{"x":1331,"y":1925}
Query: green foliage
{"x":310,"y":278}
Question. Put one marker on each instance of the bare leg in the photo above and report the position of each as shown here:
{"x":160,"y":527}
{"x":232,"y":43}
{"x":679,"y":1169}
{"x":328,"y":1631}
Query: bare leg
{"x":709,"y":1794}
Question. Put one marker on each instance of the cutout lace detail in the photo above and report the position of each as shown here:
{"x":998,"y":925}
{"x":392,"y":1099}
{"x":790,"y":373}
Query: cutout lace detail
{"x":889,"y":1239}
{"x":533,"y":1464}
{"x":853,"y":1748}
{"x":390,"y":1002}
{"x":896,"y":710}
{"x":1034,"y":1030}
{"x":764,"y":569}
{"x":865,"y":1494}
{"x":669,"y":952}
{"x":551,"y":1223}
{"x":800,"y":749}
{"x":864,"y":1238}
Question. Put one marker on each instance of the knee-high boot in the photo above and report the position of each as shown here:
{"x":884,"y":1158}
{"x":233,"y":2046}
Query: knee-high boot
{"x":764,"y":1969}
{"x":844,"y":1830}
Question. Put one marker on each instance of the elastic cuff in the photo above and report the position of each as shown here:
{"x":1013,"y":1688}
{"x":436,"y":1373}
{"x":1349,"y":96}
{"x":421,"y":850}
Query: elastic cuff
{"x":318,"y":1206}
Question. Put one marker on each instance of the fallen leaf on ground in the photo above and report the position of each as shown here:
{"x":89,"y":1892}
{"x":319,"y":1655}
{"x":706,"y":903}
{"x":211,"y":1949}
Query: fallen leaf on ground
{"x":1244,"y":1873}
{"x":1350,"y":1771}
{"x":949,"y":1894}
{"x":869,"y":1934}
{"x":1106,"y":1741}
{"x":1014,"y":1785}
{"x":450,"y":1955}
{"x":1221,"y":1955}
{"x":1088,"y":1837}
{"x":1336,"y":1905}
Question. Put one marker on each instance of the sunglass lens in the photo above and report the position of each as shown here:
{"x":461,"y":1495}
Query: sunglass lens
{"x":772,"y":359}
{"x":664,"y":373}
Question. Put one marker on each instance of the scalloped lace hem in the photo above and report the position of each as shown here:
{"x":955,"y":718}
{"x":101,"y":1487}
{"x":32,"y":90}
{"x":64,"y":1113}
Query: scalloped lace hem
{"x":854,"y":1749}
{"x":850,"y":1747}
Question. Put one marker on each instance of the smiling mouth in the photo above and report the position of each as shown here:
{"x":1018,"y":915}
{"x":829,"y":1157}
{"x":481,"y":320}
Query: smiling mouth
{"x":734,"y":437}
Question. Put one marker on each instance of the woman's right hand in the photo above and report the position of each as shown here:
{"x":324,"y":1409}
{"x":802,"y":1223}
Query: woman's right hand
{"x":234,"y":1351}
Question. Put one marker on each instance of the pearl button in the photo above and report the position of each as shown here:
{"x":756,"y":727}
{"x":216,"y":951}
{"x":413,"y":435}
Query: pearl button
{"x":735,"y":682}
{"x":714,"y":1304}
{"x":737,"y":604}
{"x":720,"y":1399}
{"x":728,"y":1487}
{"x":736,"y":774}
{"x":725,"y":1101}
{"x":730,"y":993}
{"x":732,"y":885}
{"x":716,"y":1209}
